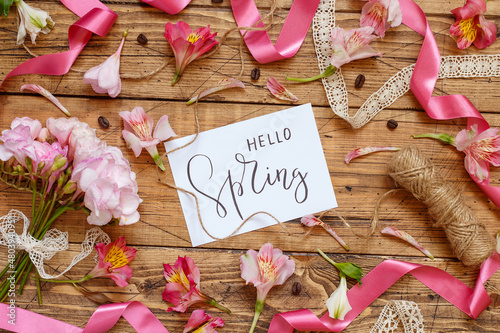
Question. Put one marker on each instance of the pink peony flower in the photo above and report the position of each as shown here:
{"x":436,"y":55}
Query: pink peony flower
{"x":187,"y":44}
{"x":112,"y":262}
{"x":279,"y":91}
{"x":105,"y":78}
{"x":34,"y":125}
{"x":46,"y":154}
{"x":351,"y":45}
{"x":183,"y":286}
{"x":201,"y":322}
{"x":472,"y":27}
{"x":61,"y":128}
{"x":266,"y":269}
{"x":138,"y":132}
{"x":18,"y":141}
{"x":83,"y":143}
{"x":480,"y":150}
{"x":381,"y":15}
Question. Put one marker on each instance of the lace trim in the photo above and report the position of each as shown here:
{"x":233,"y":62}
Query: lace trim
{"x":451,"y":67}
{"x":399,"y":312}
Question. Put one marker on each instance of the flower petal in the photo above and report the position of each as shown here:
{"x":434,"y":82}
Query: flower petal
{"x":163,"y":131}
{"x":367,"y":150}
{"x":279,"y":91}
{"x":45,"y":93}
{"x":407,"y":238}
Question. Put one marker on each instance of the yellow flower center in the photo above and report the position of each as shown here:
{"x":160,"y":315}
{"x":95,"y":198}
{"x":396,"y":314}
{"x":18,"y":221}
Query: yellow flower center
{"x":468,"y":28}
{"x":179,"y":277}
{"x":193,"y":38}
{"x":267,"y":270}
{"x":116,"y":257}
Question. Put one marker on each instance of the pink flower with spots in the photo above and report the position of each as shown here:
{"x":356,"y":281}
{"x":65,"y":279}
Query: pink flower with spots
{"x":138,"y":132}
{"x":351,"y":45}
{"x":265,"y":269}
{"x":381,"y":15}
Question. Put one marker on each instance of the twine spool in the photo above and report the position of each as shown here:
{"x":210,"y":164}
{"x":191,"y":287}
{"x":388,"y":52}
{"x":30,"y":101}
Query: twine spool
{"x":470,"y":241}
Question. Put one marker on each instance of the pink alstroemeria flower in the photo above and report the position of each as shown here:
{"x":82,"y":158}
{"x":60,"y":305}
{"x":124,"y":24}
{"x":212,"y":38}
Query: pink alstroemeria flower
{"x":279,"y":91}
{"x":266,"y":269}
{"x":201,"y":322}
{"x":187,"y":44}
{"x":472,"y":27}
{"x":407,"y":238}
{"x":112,"y":262}
{"x":351,"y":45}
{"x":105,"y":78}
{"x":367,"y":150}
{"x":381,"y":15}
{"x":183,"y":286}
{"x":481,"y":149}
{"x":138,"y":132}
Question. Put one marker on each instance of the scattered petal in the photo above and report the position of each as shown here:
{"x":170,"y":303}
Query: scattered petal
{"x":279,"y":91}
{"x":406,"y":237}
{"x":368,"y":150}
{"x":311,"y":221}
{"x":45,"y":93}
{"x":221,"y":85}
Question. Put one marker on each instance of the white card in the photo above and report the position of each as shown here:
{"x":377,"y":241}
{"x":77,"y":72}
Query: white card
{"x":273,"y":163}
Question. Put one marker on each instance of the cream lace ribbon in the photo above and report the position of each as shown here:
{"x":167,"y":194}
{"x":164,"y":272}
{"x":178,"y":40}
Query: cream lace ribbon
{"x":53,"y":242}
{"x":451,"y":67}
{"x":399,"y":312}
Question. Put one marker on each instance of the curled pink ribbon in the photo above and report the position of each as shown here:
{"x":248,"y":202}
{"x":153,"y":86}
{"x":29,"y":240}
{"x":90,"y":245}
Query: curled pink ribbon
{"x":424,"y":80}
{"x":95,"y":18}
{"x":292,"y":34}
{"x":470,"y":301}
{"x":103,"y":319}
{"x":171,"y":7}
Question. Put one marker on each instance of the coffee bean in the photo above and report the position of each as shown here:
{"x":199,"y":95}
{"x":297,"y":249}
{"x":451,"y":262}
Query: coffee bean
{"x":360,"y":80}
{"x":103,"y":122}
{"x":255,"y":74}
{"x":296,"y":288}
{"x":142,"y":39}
{"x":392,"y":124}
{"x":217,"y":1}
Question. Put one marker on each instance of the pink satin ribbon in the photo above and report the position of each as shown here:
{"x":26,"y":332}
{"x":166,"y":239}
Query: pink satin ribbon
{"x":95,"y":18}
{"x":103,"y":319}
{"x":424,"y":80}
{"x":470,"y":301}
{"x":171,"y":7}
{"x":292,"y":34}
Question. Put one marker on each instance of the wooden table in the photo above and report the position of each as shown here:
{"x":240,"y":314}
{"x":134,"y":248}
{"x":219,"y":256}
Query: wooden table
{"x":161,"y":234}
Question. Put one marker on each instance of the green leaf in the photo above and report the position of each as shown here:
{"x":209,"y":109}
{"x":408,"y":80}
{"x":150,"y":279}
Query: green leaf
{"x":6,"y":6}
{"x":351,"y":270}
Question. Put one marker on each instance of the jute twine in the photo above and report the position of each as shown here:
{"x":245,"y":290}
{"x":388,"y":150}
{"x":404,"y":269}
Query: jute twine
{"x":470,"y":241}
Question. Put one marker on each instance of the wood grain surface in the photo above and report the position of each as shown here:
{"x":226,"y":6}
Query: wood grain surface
{"x":161,"y":234}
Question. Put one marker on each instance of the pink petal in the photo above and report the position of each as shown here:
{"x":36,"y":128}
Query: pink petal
{"x":198,"y":318}
{"x":310,"y":221}
{"x":163,"y":130}
{"x":365,"y":52}
{"x":45,"y":93}
{"x":221,"y":85}
{"x":249,"y":267}
{"x":487,"y":34}
{"x":279,"y":91}
{"x":368,"y":150}
{"x":406,"y":237}
{"x":133,"y":142}
{"x":394,"y":16}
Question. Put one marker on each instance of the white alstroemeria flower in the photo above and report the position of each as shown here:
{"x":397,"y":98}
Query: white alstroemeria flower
{"x":338,"y":303}
{"x":33,"y":21}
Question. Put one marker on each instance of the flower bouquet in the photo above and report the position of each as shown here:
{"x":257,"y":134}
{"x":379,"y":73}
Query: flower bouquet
{"x":65,"y":167}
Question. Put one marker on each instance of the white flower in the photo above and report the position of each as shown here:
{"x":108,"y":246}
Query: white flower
{"x":33,"y":21}
{"x":338,"y":304}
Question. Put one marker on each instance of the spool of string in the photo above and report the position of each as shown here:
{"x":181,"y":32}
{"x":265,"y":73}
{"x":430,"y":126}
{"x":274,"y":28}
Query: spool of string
{"x":468,"y":237}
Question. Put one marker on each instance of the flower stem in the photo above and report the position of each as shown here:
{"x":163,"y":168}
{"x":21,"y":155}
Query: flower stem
{"x":83,"y":279}
{"x":328,"y":71}
{"x":176,"y":78}
{"x":259,"y":306}
{"x":212,"y":302}
{"x":326,"y":257}
{"x":446,"y":138}
{"x":38,"y":288}
{"x":158,"y":161}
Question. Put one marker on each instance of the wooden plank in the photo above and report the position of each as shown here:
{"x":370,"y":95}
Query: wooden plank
{"x":358,"y":185}
{"x":220,"y":278}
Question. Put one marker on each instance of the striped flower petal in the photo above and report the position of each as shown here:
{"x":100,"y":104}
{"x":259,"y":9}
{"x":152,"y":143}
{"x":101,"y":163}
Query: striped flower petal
{"x":367,"y":150}
{"x":406,"y":237}
{"x":45,"y":93}
{"x":221,"y":85}
{"x":279,"y":91}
